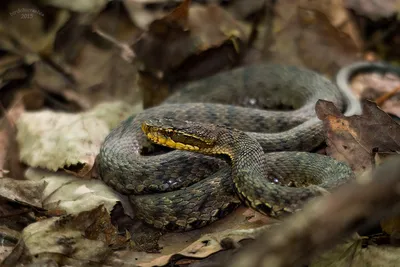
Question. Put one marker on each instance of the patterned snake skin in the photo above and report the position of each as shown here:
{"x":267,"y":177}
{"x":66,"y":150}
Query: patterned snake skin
{"x":181,"y":190}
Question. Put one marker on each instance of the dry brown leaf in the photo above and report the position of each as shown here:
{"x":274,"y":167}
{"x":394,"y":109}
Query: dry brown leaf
{"x":89,"y":68}
{"x":177,"y":44}
{"x":187,"y":44}
{"x":318,"y":37}
{"x":374,"y":9}
{"x":305,"y":30}
{"x":356,"y":139}
{"x":101,"y":74}
{"x":339,"y":17}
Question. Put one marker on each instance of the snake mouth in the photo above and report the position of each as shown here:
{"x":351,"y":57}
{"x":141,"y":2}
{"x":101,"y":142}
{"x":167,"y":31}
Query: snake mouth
{"x":174,"y":134}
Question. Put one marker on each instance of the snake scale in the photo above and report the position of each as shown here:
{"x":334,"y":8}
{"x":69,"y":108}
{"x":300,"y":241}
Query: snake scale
{"x":272,"y":111}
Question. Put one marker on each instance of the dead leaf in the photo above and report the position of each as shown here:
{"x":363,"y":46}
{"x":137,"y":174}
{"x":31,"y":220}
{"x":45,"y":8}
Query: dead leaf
{"x":374,"y":9}
{"x":73,"y":195}
{"x":305,"y":30}
{"x":21,"y":202}
{"x":319,"y":36}
{"x":101,"y":74}
{"x":179,"y":40}
{"x":357,"y":138}
{"x":339,"y":17}
{"x":55,"y":140}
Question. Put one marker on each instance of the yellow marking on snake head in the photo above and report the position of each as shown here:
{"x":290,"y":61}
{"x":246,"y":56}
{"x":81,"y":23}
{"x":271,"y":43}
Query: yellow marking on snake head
{"x":171,"y":143}
{"x":162,"y":140}
{"x":180,"y":146}
{"x":164,"y":136}
{"x":167,"y":141}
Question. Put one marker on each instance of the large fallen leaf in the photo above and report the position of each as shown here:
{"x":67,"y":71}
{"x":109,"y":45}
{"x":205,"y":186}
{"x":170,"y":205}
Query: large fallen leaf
{"x":356,"y":139}
{"x":73,"y":195}
{"x":305,"y":30}
{"x":56,"y":140}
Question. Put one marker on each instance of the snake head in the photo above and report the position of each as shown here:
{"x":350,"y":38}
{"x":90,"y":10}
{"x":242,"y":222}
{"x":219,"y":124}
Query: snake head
{"x":178,"y":134}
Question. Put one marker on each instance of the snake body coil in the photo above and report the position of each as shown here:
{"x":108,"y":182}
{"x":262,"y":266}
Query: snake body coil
{"x":182,"y":190}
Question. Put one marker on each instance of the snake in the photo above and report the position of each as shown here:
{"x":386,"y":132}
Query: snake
{"x":238,"y":136}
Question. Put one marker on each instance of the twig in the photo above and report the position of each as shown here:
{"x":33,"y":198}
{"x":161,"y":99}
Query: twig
{"x":380,"y":100}
{"x":126,"y":52}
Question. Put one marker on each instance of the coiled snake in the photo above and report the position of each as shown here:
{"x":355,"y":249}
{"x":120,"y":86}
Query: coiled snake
{"x":181,"y":190}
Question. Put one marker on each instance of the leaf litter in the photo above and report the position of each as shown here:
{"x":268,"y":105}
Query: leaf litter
{"x":356,"y":139}
{"x":64,"y":145}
